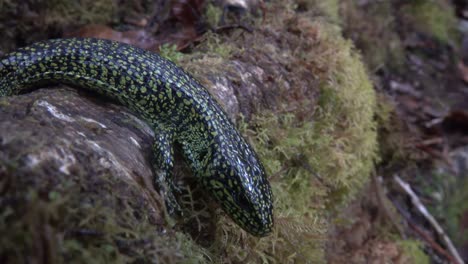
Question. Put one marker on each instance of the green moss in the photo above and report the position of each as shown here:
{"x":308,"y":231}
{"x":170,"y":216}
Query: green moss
{"x":328,"y":7}
{"x":392,"y":137}
{"x":413,"y":250}
{"x":80,"y":12}
{"x":213,"y":15}
{"x":375,"y":35}
{"x":218,"y":45}
{"x":313,"y":161}
{"x":454,"y":209}
{"x":436,"y":18}
{"x":170,"y":52}
{"x":345,"y":121}
{"x":42,"y":19}
{"x":384,"y":111}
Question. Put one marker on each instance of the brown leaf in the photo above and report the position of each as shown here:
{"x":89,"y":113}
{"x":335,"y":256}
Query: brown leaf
{"x":139,"y":38}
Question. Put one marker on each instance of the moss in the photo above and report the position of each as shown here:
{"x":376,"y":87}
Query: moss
{"x":328,"y":8}
{"x":285,"y":145}
{"x":315,"y":162}
{"x":394,"y":146}
{"x":39,"y":20}
{"x":375,"y":35}
{"x":413,"y":250}
{"x":457,"y":209}
{"x":217,"y":45}
{"x":79,"y":12}
{"x":43,"y":19}
{"x":345,"y":121}
{"x":170,"y":52}
{"x":82,"y":221}
{"x":435,"y":18}
{"x":317,"y":157}
{"x":213,"y":15}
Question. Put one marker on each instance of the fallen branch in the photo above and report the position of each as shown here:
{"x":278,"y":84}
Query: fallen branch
{"x":434,"y":245}
{"x":422,"y":209}
{"x":423,"y":235}
{"x":391,"y":215}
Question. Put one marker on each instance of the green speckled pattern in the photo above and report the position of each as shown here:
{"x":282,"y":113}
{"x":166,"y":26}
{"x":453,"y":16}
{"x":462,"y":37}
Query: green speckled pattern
{"x":177,"y":107}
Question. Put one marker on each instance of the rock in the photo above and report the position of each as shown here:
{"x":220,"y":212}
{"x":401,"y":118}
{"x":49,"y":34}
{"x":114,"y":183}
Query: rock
{"x":75,"y":176}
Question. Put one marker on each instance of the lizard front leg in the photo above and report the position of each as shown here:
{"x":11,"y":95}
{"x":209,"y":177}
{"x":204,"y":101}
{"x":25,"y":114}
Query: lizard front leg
{"x":163,"y":165}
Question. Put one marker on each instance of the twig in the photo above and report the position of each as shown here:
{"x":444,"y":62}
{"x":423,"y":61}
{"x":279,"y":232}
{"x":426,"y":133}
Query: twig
{"x":431,"y":141}
{"x":422,"y":209}
{"x":233,"y":26}
{"x":380,"y":193}
{"x":436,"y":247}
{"x":431,"y":242}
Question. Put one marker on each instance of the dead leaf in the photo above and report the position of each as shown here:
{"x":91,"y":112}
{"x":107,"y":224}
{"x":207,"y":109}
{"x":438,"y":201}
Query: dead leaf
{"x":139,"y":38}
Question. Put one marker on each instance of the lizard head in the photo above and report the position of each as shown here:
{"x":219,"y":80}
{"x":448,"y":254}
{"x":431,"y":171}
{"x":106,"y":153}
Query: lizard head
{"x":236,"y":178}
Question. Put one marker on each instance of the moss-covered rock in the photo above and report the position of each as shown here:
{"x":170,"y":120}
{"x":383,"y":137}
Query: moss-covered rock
{"x":308,"y":108}
{"x":311,"y":122}
{"x":75,"y":189}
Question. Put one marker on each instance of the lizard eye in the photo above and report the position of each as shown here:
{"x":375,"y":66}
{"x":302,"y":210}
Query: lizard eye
{"x":203,"y":154}
{"x":243,"y":202}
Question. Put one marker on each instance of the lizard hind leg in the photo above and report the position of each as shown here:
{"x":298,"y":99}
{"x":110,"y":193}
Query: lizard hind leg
{"x":163,"y":166}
